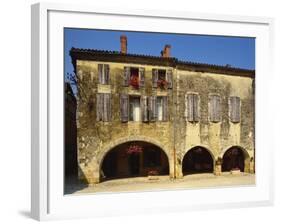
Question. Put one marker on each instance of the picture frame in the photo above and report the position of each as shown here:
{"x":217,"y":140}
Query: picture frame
{"x":47,"y":199}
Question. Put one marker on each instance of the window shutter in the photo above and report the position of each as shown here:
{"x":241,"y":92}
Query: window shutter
{"x":124,"y":107}
{"x":186,"y":106}
{"x":152,"y":108}
{"x":234,"y":108}
{"x":107,"y":107}
{"x":142,"y":76}
{"x":214,"y":108}
{"x":195,"y":107}
{"x":100,"y":73}
{"x":170,"y":78}
{"x":190,"y":107}
{"x":165,"y":108}
{"x":126,"y":76}
{"x":99,"y":107}
{"x":144,"y":108}
{"x":154,"y":78}
{"x":106,"y":74}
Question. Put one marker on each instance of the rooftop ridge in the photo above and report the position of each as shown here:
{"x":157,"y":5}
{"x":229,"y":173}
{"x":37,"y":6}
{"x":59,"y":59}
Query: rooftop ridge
{"x":172,"y":61}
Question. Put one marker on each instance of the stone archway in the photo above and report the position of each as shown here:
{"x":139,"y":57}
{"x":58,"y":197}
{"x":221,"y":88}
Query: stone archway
{"x":235,"y":158}
{"x":144,"y":159}
{"x":198,"y":160}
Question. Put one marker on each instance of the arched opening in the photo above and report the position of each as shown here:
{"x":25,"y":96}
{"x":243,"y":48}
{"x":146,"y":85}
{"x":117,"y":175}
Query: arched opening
{"x":233,"y":159}
{"x":134,"y":159}
{"x":197,"y":160}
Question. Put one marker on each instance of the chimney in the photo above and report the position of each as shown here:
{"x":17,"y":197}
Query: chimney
{"x":166,"y":53}
{"x":123,"y":44}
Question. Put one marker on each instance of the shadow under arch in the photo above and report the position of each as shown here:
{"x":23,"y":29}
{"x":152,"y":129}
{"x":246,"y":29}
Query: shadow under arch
{"x":235,"y":157}
{"x":116,"y":162}
{"x":198,"y":159}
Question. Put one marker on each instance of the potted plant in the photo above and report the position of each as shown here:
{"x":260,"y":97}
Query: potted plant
{"x":162,"y":83}
{"x":134,"y":81}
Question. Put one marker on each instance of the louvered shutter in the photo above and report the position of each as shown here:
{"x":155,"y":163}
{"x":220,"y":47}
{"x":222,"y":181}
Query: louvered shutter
{"x":195,"y":107}
{"x":234,"y":109}
{"x":144,"y":108}
{"x":106,"y":74}
{"x":186,"y":106}
{"x":215,"y":108}
{"x":190,"y":107}
{"x":141,"y":77}
{"x":154,"y":78}
{"x":124,"y":107}
{"x":126,"y":76}
{"x":100,"y":74}
{"x":99,"y":107}
{"x":152,"y":108}
{"x":107,"y":107}
{"x":170,"y":78}
{"x":165,"y":108}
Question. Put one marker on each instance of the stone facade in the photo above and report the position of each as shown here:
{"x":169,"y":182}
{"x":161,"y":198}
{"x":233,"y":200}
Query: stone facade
{"x":175,"y":136}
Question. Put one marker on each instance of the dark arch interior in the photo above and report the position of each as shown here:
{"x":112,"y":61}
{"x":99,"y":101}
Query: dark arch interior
{"x":197,"y":160}
{"x":233,"y":158}
{"x":118,"y":163}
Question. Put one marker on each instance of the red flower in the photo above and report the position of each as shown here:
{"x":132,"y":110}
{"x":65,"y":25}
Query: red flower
{"x":153,"y":172}
{"x":134,"y":81}
{"x":134,"y":148}
{"x":162,"y":83}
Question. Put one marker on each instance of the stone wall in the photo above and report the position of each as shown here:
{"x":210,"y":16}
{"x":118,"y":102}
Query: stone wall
{"x":176,"y":136}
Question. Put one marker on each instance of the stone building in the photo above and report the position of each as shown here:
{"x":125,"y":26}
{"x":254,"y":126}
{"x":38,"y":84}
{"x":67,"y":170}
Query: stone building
{"x":179,"y":117}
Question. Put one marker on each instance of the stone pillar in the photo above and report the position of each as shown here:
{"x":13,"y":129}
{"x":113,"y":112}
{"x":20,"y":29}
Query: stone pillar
{"x":217,"y":169}
{"x":247,"y":166}
{"x":90,"y":172}
{"x":179,"y":173}
{"x":252,"y":165}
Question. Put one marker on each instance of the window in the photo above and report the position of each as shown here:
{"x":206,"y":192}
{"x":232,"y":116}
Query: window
{"x":192,"y":107}
{"x":143,"y":108}
{"x":161,"y":108}
{"x":162,"y":78}
{"x":234,"y":109}
{"x":103,"y":106}
{"x":103,"y":72}
{"x":215,"y":108}
{"x":134,"y":108}
{"x":134,"y":77}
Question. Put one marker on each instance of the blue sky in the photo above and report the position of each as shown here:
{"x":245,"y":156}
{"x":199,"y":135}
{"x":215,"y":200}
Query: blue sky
{"x":220,"y":50}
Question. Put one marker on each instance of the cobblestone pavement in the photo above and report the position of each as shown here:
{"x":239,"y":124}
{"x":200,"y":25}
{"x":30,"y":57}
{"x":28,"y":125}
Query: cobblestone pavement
{"x":163,"y":183}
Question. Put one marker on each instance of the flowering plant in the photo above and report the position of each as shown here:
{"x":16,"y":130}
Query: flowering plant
{"x":134,"y":81}
{"x":153,"y":172}
{"x":134,"y":148}
{"x":162,"y":83}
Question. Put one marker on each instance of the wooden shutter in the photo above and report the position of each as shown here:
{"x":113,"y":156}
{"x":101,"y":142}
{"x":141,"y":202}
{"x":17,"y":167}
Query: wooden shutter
{"x":124,"y":107}
{"x":106,"y":74}
{"x":107,"y":107}
{"x":165,"y":108}
{"x":234,"y":107}
{"x":126,"y":76}
{"x":186,"y":106}
{"x":170,"y":78}
{"x":141,"y":77}
{"x":154,"y":78}
{"x":152,"y":108}
{"x":215,"y":108}
{"x":144,"y":108}
{"x":99,"y":107}
{"x":100,"y":73}
{"x":190,"y":107}
{"x":195,"y":107}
